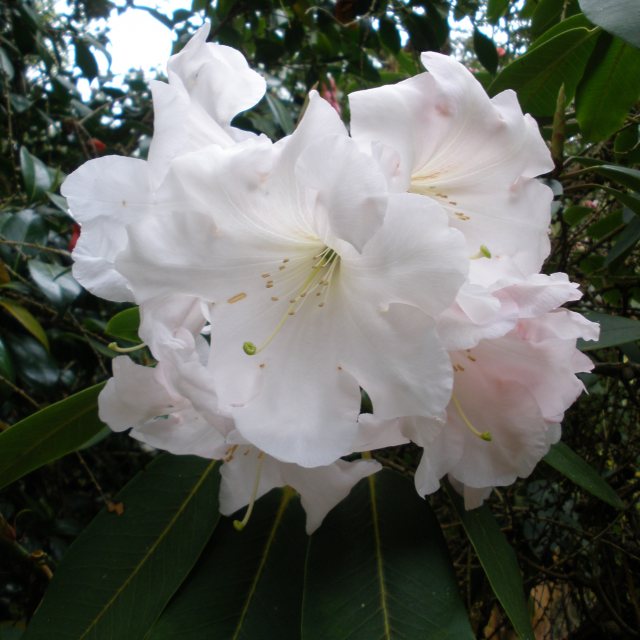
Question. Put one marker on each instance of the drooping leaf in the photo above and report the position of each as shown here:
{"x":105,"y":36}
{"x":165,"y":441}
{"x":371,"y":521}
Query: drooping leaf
{"x":626,"y":240}
{"x":485,"y":50}
{"x":85,"y":59}
{"x":498,"y":559}
{"x":55,"y":281}
{"x":36,"y":175}
{"x":34,"y":364}
{"x":125,"y":324}
{"x":247,"y":584}
{"x":619,"y":17}
{"x":563,"y":459}
{"x":378,"y":567}
{"x":538,"y":74}
{"x":623,"y":175}
{"x":49,"y":434}
{"x":496,"y":9}
{"x":27,"y":320}
{"x":119,"y":574}
{"x":613,"y":331}
{"x":610,"y":87}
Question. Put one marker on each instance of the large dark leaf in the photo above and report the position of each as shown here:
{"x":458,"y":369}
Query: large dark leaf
{"x":49,"y":434}
{"x":614,"y":331}
{"x":247,"y":584}
{"x":610,"y":87}
{"x":538,"y":75}
{"x":498,"y":559}
{"x":119,"y":574}
{"x":379,"y":568}
{"x":570,"y":464}
{"x":620,"y":17}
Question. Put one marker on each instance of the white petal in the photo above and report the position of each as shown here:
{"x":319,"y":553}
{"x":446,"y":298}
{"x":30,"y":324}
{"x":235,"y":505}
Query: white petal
{"x":216,"y":76}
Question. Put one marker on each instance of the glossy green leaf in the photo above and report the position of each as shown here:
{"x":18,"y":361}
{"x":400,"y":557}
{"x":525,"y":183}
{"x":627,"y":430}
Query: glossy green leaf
{"x":34,"y":364}
{"x":281,"y":113}
{"x":119,"y":574}
{"x":85,"y":59}
{"x":499,"y":561}
{"x":36,"y":175}
{"x":578,"y":21}
{"x":626,"y":240}
{"x":547,"y":14}
{"x":49,"y":434}
{"x":7,"y":370}
{"x":571,"y":465}
{"x":27,"y":320}
{"x":125,"y":324}
{"x":378,"y":567}
{"x":496,"y":9}
{"x":389,"y":35}
{"x":610,"y":87}
{"x":623,"y":175}
{"x":247,"y":584}
{"x":485,"y":50}
{"x":6,"y":68}
{"x":620,"y":17}
{"x":55,"y":281}
{"x":25,"y":226}
{"x":613,"y":331}
{"x":538,"y":74}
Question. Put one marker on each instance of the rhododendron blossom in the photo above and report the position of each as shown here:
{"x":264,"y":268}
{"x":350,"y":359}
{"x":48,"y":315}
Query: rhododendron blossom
{"x":280,"y":282}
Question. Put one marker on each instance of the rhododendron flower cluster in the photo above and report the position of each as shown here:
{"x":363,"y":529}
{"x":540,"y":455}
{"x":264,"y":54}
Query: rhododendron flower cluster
{"x":280,"y":282}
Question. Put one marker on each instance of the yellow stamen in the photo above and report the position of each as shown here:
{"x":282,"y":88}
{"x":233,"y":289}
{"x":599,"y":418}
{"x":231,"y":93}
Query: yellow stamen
{"x":483,"y":435}
{"x":239,"y":525}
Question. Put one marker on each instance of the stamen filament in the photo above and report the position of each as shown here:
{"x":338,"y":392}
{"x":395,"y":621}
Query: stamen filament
{"x":114,"y":347}
{"x":239,"y":525}
{"x":483,"y":435}
{"x":326,"y":259}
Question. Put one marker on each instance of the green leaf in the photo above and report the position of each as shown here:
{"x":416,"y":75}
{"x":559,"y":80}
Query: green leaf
{"x":125,"y":325}
{"x":547,"y":14}
{"x":25,"y":226}
{"x":626,"y":240}
{"x":7,"y":370}
{"x":389,"y":36}
{"x":619,"y":17}
{"x":49,"y":434}
{"x":280,"y":113}
{"x":379,"y":568}
{"x":6,"y":68}
{"x":34,"y":363}
{"x":85,"y":60}
{"x":119,"y":574}
{"x":485,"y":50}
{"x":27,"y":320}
{"x":538,"y":75}
{"x":610,"y":88}
{"x":623,"y":175}
{"x":613,"y":331}
{"x":496,"y":9}
{"x":571,"y":465}
{"x":245,"y":582}
{"x":55,"y":282}
{"x":36,"y":175}
{"x":498,"y":560}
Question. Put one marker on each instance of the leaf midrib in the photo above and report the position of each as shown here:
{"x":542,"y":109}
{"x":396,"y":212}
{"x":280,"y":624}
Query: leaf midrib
{"x":189,"y":497}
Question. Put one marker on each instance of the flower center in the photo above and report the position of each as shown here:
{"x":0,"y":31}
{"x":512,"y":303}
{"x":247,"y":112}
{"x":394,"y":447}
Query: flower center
{"x":314,"y":286}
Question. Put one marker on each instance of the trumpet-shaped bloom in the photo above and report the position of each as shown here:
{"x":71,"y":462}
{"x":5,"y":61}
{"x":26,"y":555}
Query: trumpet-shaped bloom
{"x":509,"y":396}
{"x":208,"y":85}
{"x":147,"y":401}
{"x":310,"y":268}
{"x":440,"y":135}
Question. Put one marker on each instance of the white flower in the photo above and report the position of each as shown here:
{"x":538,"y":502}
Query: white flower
{"x":442,"y":137}
{"x":509,"y":394}
{"x":320,"y":284}
{"x":148,"y":401}
{"x":208,"y":85}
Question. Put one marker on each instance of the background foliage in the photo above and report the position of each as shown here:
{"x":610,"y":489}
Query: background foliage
{"x":576,"y":68}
